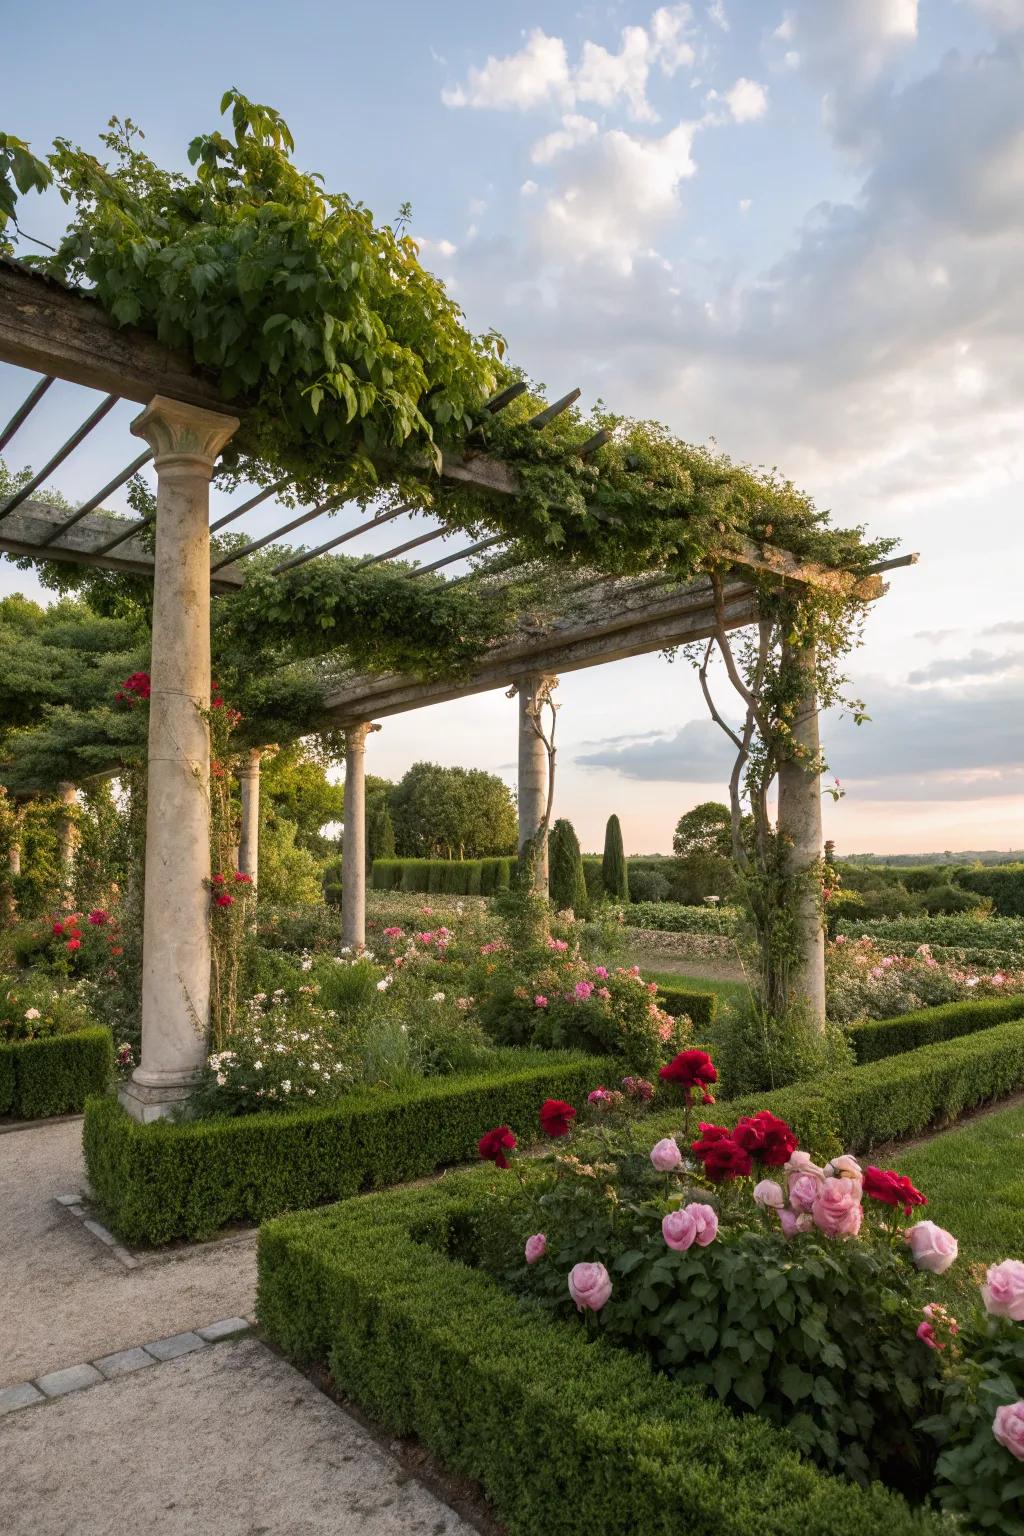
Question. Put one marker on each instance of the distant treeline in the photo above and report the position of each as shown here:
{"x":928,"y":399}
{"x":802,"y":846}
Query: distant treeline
{"x":922,"y":860}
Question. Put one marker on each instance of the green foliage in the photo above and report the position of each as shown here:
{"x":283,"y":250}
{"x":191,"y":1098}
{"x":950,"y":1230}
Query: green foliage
{"x":672,"y":917}
{"x":889,"y":1037}
{"x":998,"y":934}
{"x":566,"y":883}
{"x":1003,"y":884}
{"x":158,"y":1182}
{"x":56,"y":1074}
{"x":701,"y":1007}
{"x":437,"y":1349}
{"x":20,"y":171}
{"x":647,"y":885}
{"x":455,"y":877}
{"x":288,"y":873}
{"x":452,"y":813}
{"x":761,"y":1051}
{"x":614,"y":869}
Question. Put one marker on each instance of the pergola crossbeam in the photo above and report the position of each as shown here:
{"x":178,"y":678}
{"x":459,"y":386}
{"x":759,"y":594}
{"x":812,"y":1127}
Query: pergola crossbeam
{"x":25,"y":410}
{"x":64,"y":451}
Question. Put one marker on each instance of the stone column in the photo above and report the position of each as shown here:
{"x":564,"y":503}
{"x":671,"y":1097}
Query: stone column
{"x":353,"y":842}
{"x":67,"y":842}
{"x":249,"y":838}
{"x":176,"y":932}
{"x":800,"y":832}
{"x":534,"y":769}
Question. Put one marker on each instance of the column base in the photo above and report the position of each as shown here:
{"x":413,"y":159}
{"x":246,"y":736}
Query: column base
{"x":146,"y":1104}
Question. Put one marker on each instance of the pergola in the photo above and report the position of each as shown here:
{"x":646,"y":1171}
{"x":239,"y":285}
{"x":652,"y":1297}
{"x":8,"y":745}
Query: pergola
{"x":58,"y":333}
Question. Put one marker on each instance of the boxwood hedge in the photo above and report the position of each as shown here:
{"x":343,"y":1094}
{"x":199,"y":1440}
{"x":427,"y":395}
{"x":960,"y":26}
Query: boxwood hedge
{"x":888,"y":1037}
{"x":560,"y":1429}
{"x":186,"y":1179}
{"x":55,"y":1075}
{"x":701,"y":1006}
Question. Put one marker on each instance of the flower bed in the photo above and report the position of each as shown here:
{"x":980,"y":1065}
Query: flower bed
{"x":54,"y":1075}
{"x":162,"y":1181}
{"x":879,"y":1038}
{"x":549,"y":1422}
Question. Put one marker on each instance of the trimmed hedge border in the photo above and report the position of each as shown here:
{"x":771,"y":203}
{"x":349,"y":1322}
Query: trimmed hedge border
{"x":701,"y":1006}
{"x":558,"y":1427}
{"x":888,"y":1037}
{"x":452,"y":877}
{"x":55,"y":1075}
{"x":187,"y":1179}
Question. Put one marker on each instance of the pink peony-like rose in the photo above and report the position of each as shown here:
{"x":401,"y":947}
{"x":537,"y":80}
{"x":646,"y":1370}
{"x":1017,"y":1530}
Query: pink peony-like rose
{"x":1003,"y":1291}
{"x":590,"y":1286}
{"x":804,"y":1189}
{"x":926,"y":1333}
{"x":792,"y":1223}
{"x":598,"y":1095}
{"x":540,"y":1001}
{"x":536,"y":1247}
{"x":679,"y":1229}
{"x":845,"y":1167}
{"x":933,"y":1248}
{"x":665,"y":1155}
{"x":1008,"y":1428}
{"x":837,"y":1211}
{"x":706,"y":1220}
{"x":769,"y":1194}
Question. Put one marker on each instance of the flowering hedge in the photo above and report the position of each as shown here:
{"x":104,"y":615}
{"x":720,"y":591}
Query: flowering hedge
{"x":162,"y":1181}
{"x":864,"y":980}
{"x":439,"y":1349}
{"x":56,"y":1074}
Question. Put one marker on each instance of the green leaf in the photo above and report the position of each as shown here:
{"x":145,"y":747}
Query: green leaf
{"x":795,"y":1382}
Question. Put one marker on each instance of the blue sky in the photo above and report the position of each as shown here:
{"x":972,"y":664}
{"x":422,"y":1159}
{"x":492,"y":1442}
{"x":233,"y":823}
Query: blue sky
{"x":796,"y":228}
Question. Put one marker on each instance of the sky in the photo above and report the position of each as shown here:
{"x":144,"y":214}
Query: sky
{"x":795,"y":229}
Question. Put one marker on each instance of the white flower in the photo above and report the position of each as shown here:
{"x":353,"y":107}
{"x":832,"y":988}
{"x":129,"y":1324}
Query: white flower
{"x":384,"y":983}
{"x":306,"y":964}
{"x":279,"y":1048}
{"x":32,"y":1013}
{"x":438,"y":997}
{"x":257,"y":1066}
{"x":286,"y":1086}
{"x":346,"y":949}
{"x":221,"y":1079}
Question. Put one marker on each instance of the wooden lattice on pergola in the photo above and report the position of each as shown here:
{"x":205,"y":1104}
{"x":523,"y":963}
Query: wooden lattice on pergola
{"x":57,"y":333}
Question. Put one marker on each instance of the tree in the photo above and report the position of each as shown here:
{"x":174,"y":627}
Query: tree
{"x":705,"y":830}
{"x":380,"y":832}
{"x":566,"y":880}
{"x":614,"y":869}
{"x":294,"y":787}
{"x":452,"y":813}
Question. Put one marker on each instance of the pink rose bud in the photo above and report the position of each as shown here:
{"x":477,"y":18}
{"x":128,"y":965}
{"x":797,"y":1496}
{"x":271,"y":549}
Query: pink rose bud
{"x":933,"y":1249}
{"x":926,"y":1333}
{"x":837,"y":1211}
{"x":706,"y":1220}
{"x":666,"y":1156}
{"x":679,"y":1229}
{"x":1003,"y":1291}
{"x":1008,"y":1428}
{"x":769,"y":1194}
{"x":845,"y":1167}
{"x":536,"y":1247}
{"x":590,"y":1286}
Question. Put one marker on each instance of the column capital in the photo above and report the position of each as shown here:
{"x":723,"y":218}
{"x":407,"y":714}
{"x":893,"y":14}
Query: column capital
{"x":183,"y":436}
{"x":250,"y":768}
{"x":357,"y":732}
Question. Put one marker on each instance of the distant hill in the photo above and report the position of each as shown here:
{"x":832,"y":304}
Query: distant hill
{"x":910,"y":860}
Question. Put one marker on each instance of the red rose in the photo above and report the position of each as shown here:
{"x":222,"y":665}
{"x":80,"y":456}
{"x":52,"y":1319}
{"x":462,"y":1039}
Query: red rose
{"x":73,"y":944}
{"x":98,"y":917}
{"x":722,"y":1157}
{"x":766,"y":1137}
{"x":224,"y":900}
{"x":690,"y":1069}
{"x":493,"y":1146}
{"x":58,"y":929}
{"x":216,"y":879}
{"x":556,"y":1117}
{"x":242,"y":879}
{"x":892,"y":1188}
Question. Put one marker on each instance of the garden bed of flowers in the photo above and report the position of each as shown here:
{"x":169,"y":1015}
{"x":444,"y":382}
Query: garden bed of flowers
{"x":53,"y":1055}
{"x":865,"y":980}
{"x":717,"y":1319}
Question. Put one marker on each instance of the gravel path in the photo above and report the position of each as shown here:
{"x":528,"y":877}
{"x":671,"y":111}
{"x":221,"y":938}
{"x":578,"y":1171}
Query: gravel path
{"x":231,"y":1441}
{"x":65,"y":1297}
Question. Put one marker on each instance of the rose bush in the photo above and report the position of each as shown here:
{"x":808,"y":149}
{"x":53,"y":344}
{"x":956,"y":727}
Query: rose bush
{"x":866,"y":980}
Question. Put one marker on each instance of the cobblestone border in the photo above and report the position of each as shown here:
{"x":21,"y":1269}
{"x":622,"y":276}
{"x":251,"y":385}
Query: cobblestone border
{"x":123,"y":1362}
{"x":79,"y":1207}
{"x":75,"y":1206}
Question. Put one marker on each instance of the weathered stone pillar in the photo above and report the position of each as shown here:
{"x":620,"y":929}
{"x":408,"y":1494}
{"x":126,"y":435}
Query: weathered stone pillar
{"x":249,"y":837}
{"x":353,"y":842}
{"x":800,"y":832}
{"x":534,"y":770}
{"x":67,"y":842}
{"x":176,"y":932}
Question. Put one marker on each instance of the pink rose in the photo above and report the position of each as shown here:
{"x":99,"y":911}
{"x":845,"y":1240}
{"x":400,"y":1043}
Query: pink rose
{"x":800,"y":1162}
{"x":1008,"y":1428}
{"x":540,"y":1001}
{"x":679,"y":1229}
{"x":590,"y":1286}
{"x":933,"y":1248}
{"x":837,"y":1211}
{"x":791,"y":1223}
{"x":803,"y":1191}
{"x":926,"y":1333}
{"x":706,"y":1220}
{"x":597,"y":1095}
{"x":769,"y":1194}
{"x":665,"y":1155}
{"x":602,"y":971}
{"x":1003,"y":1291}
{"x":536,"y":1247}
{"x":845,"y":1167}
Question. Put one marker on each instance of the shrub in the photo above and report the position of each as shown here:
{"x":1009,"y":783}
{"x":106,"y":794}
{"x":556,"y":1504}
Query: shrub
{"x":614,"y":871}
{"x":702,"y":1007}
{"x":759,"y":1052}
{"x":646,"y":885}
{"x":671,"y":917}
{"x":54,"y":1075}
{"x":438,"y":1349}
{"x":308,"y":927}
{"x":566,"y":883}
{"x":1004,"y":883}
{"x":162,"y":1181}
{"x":974,"y":932}
{"x":888,"y":1037}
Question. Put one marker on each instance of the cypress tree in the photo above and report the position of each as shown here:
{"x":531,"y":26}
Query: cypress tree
{"x":614,"y":869}
{"x":566,"y":880}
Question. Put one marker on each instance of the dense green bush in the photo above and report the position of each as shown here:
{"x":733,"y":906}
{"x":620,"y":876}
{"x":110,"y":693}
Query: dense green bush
{"x":437,"y":1349}
{"x":672,"y":917}
{"x":157,"y":1182}
{"x":888,"y":1037}
{"x":760,"y":1052}
{"x":298,"y":927}
{"x":614,"y":869}
{"x":55,"y":1075}
{"x":451,"y":877}
{"x":702,"y":1007}
{"x":1004,"y":883}
{"x":647,"y":885}
{"x":566,"y":883}
{"x":953,"y":932}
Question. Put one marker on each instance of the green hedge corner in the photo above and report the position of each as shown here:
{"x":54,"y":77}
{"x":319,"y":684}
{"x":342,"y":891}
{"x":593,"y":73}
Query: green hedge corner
{"x":55,"y":1075}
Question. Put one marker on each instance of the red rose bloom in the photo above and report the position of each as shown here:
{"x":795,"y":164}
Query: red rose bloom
{"x":73,"y":944}
{"x":98,"y":917}
{"x":892,"y":1188}
{"x":216,"y":879}
{"x":493,"y":1146}
{"x":556,"y":1117}
{"x":242,"y":879}
{"x":766,"y":1137}
{"x":224,"y":900}
{"x":58,"y":929}
{"x":722,"y":1157}
{"x":690,"y":1069}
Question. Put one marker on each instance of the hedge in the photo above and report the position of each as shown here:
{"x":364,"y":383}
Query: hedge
{"x":997,"y":934}
{"x":888,"y":1037}
{"x":450,"y":877}
{"x":186,"y":1179}
{"x":701,"y":1006}
{"x":55,"y":1075}
{"x":673,"y":917}
{"x":1003,"y":882}
{"x":559,"y":1428}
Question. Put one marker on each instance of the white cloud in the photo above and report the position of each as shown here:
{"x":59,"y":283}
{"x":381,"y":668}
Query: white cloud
{"x":747,"y":100}
{"x":1003,"y":15}
{"x":744,"y":205}
{"x":716,"y":13}
{"x":442,"y":247}
{"x":603,"y":77}
{"x":528,"y":188}
{"x":671,"y":29}
{"x":575,"y":130}
{"x":537,"y":72}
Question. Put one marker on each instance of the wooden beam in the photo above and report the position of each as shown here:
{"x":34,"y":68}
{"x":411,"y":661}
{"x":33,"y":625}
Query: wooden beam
{"x":23,"y":534}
